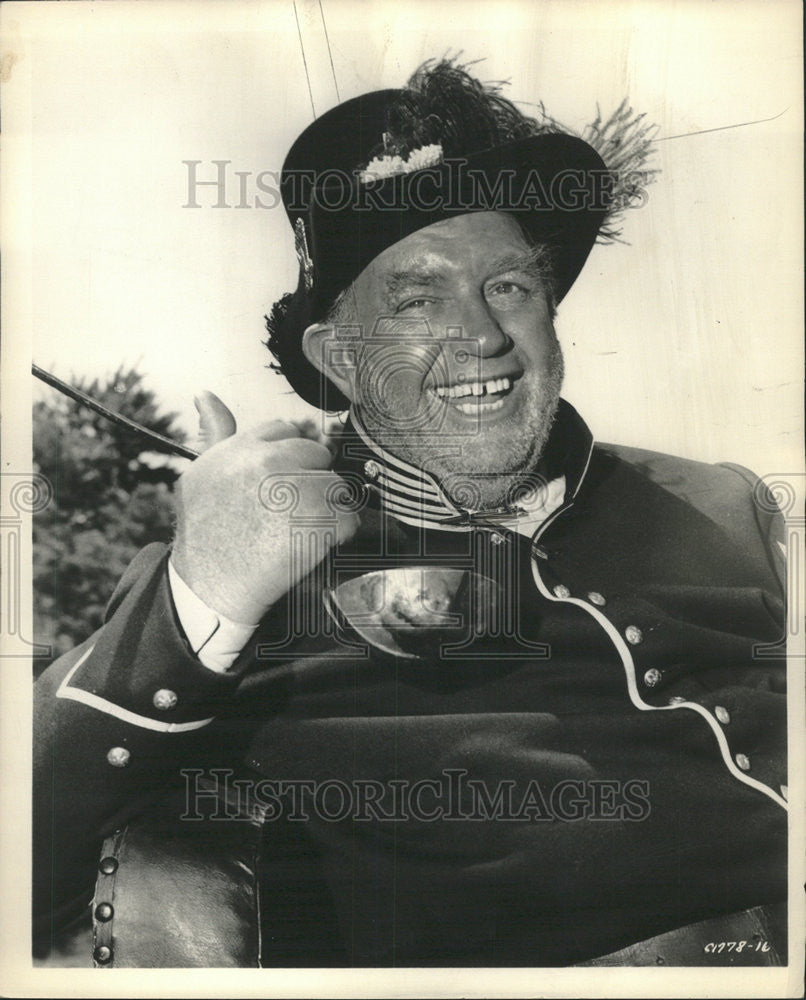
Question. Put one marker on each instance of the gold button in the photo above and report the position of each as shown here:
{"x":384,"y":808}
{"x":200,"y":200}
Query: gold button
{"x":596,"y":598}
{"x":165,"y":699}
{"x":102,"y":954}
{"x":743,"y":761}
{"x":372,"y":470}
{"x":497,"y":539}
{"x":633,"y":635}
{"x":651,"y":677}
{"x":722,"y":714}
{"x":118,"y":756}
{"x":561,"y":591}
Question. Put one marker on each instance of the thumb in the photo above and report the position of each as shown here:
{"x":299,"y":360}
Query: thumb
{"x":215,"y":420}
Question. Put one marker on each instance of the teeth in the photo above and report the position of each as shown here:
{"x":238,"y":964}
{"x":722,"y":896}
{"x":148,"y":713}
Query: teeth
{"x":493,"y":385}
{"x":474,"y":408}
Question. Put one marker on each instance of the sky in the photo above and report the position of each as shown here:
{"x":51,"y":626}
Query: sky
{"x":685,"y":339}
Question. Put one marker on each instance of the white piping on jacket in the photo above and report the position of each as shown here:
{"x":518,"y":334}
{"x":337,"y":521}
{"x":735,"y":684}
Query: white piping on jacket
{"x":109,"y":708}
{"x":632,"y":685}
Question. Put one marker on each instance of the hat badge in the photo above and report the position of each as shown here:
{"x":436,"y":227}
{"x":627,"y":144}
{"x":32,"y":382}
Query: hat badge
{"x":392,"y":165}
{"x":304,"y":258}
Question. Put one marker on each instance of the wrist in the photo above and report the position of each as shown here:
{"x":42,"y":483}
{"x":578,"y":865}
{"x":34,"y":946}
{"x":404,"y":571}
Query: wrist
{"x":227,"y":597}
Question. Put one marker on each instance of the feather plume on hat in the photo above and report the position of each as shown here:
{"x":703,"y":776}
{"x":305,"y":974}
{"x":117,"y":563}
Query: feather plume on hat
{"x":443,"y":105}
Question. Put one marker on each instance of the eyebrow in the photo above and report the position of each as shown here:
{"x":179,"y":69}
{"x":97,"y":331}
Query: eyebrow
{"x":532,"y":261}
{"x":418,"y":277}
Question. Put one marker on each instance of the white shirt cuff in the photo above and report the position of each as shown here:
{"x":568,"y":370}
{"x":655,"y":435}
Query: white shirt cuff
{"x":215,"y":639}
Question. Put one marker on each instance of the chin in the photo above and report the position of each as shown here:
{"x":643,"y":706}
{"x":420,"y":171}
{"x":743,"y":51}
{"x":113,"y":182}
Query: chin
{"x":488,"y":478}
{"x":489,"y":462}
{"x":485,"y":472}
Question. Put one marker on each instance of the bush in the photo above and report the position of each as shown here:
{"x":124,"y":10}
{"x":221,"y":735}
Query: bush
{"x":112,"y":494}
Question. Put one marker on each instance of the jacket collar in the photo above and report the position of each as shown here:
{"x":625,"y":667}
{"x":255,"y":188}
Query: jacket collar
{"x":415,"y":497}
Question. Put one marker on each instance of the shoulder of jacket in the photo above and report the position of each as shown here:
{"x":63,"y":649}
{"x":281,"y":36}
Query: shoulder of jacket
{"x":691,"y":480}
{"x":729,"y":494}
{"x":148,"y":561}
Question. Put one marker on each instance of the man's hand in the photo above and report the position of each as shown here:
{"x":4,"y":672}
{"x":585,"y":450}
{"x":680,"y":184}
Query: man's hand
{"x":234,"y":527}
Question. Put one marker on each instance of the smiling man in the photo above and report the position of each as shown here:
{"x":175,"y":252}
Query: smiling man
{"x":494,"y":389}
{"x":478,"y":691}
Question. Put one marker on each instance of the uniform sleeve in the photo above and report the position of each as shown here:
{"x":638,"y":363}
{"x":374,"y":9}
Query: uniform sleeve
{"x":114,"y":722}
{"x":215,"y":639}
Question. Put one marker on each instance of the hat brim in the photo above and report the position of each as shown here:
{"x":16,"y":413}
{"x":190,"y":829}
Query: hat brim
{"x":555,"y":184}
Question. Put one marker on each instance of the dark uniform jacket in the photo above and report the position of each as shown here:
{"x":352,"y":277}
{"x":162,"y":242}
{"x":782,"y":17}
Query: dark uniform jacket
{"x":605,"y":765}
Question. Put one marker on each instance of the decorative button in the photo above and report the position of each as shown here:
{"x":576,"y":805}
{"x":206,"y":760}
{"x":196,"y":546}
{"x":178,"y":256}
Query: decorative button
{"x":785,"y":791}
{"x":596,"y":598}
{"x":102,"y":954}
{"x":165,"y":699}
{"x":371,"y":469}
{"x":722,"y":714}
{"x":651,"y":677}
{"x":561,"y":590}
{"x":743,"y":761}
{"x":108,"y":866}
{"x":104,"y":912}
{"x":497,"y":539}
{"x":677,"y":699}
{"x":118,"y":756}
{"x":633,"y":635}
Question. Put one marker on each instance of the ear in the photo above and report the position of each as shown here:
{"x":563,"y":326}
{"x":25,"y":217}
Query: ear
{"x":333,"y":357}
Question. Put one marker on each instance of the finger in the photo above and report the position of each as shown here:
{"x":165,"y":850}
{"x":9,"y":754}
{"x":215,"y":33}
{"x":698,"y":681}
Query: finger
{"x":215,"y":420}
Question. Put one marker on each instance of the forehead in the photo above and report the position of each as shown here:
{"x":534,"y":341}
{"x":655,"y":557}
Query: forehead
{"x":470,"y":242}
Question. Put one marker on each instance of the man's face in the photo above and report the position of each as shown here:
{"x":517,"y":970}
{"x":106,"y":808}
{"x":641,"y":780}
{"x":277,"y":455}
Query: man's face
{"x":462,"y":375}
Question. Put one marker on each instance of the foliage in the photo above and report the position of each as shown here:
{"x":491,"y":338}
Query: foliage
{"x":111,"y":496}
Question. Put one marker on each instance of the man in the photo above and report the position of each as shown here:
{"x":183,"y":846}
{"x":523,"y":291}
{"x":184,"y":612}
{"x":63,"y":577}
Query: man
{"x":482,"y":693}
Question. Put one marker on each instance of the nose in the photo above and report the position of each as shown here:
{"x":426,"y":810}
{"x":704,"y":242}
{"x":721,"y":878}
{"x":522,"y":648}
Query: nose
{"x":481,"y":330}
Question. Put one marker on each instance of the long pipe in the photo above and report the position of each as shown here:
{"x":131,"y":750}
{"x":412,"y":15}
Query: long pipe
{"x":166,"y":443}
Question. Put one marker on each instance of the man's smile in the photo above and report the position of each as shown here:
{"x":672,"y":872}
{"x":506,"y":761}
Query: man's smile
{"x":476,"y":398}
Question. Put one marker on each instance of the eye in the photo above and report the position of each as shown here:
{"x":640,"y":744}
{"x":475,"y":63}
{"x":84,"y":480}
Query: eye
{"x":418,"y":303}
{"x":509,"y":290}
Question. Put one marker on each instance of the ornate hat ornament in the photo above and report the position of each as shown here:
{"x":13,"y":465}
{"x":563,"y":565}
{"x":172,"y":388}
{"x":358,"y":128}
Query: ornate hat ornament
{"x":381,"y":166}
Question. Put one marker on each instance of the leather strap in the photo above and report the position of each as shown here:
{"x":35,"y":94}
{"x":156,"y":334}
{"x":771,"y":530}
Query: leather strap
{"x":103,"y":908}
{"x":181,"y":891}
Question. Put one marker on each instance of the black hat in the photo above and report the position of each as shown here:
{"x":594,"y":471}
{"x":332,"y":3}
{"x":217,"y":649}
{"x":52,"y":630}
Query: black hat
{"x":381,"y":166}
